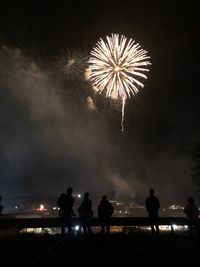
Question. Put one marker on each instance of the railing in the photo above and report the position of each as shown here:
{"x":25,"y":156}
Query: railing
{"x":18,"y":223}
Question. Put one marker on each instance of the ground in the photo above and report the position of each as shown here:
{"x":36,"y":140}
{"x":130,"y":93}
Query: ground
{"x":133,"y":249}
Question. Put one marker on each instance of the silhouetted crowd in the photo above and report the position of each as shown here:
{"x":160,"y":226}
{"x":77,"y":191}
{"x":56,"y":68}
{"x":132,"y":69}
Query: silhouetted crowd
{"x":66,"y":202}
{"x":105,"y":210}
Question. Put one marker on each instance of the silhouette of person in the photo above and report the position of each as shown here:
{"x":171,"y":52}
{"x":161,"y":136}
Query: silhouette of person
{"x":66,"y":202}
{"x":85,"y":213}
{"x":152,"y":207}
{"x":1,"y":207}
{"x":105,"y":211}
{"x":192,"y":214}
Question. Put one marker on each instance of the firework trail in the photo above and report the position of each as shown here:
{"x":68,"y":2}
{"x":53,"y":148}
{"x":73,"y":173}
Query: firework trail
{"x":116,"y":65}
{"x":123,"y":107}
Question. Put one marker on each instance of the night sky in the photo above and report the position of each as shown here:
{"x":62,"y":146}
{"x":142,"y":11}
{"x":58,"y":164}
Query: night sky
{"x":52,"y":138}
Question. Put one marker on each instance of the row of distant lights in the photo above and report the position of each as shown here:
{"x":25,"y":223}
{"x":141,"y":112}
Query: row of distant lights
{"x":42,"y":208}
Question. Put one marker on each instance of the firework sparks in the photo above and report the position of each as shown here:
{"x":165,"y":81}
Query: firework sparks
{"x":116,"y":66}
{"x":72,"y":64}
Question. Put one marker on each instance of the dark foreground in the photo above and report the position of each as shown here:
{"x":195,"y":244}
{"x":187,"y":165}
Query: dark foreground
{"x":135,"y":249}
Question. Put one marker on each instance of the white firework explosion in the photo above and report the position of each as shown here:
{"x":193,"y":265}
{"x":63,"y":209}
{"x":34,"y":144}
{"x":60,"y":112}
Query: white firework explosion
{"x":116,"y":65}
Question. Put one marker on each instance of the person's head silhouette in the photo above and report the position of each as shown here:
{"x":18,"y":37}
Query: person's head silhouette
{"x":151,"y":192}
{"x":86,"y":195}
{"x":190,"y":200}
{"x":69,"y":190}
{"x":104,"y":197}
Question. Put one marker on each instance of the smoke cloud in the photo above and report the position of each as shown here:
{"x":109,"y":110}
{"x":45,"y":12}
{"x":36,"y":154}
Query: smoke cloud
{"x":51,"y":140}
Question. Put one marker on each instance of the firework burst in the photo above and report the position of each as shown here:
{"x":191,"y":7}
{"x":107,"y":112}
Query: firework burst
{"x":116,"y":66}
{"x":72,"y":64}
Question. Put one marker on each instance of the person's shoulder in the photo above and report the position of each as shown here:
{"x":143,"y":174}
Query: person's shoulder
{"x":110,"y":204}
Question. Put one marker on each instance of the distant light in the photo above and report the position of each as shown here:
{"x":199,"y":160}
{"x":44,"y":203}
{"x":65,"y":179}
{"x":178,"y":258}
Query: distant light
{"x":16,"y":207}
{"x":175,"y":207}
{"x":77,"y":227}
{"x":164,"y":228}
{"x":41,"y":208}
{"x":175,"y":227}
{"x":120,"y":211}
{"x":54,"y":208}
{"x":79,"y":195}
{"x":126,"y":211}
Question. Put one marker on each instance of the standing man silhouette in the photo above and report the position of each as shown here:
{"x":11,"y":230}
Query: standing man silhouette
{"x":86,"y":213}
{"x":192,"y":216}
{"x":152,"y":207}
{"x":105,"y":211}
{"x":66,"y":202}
